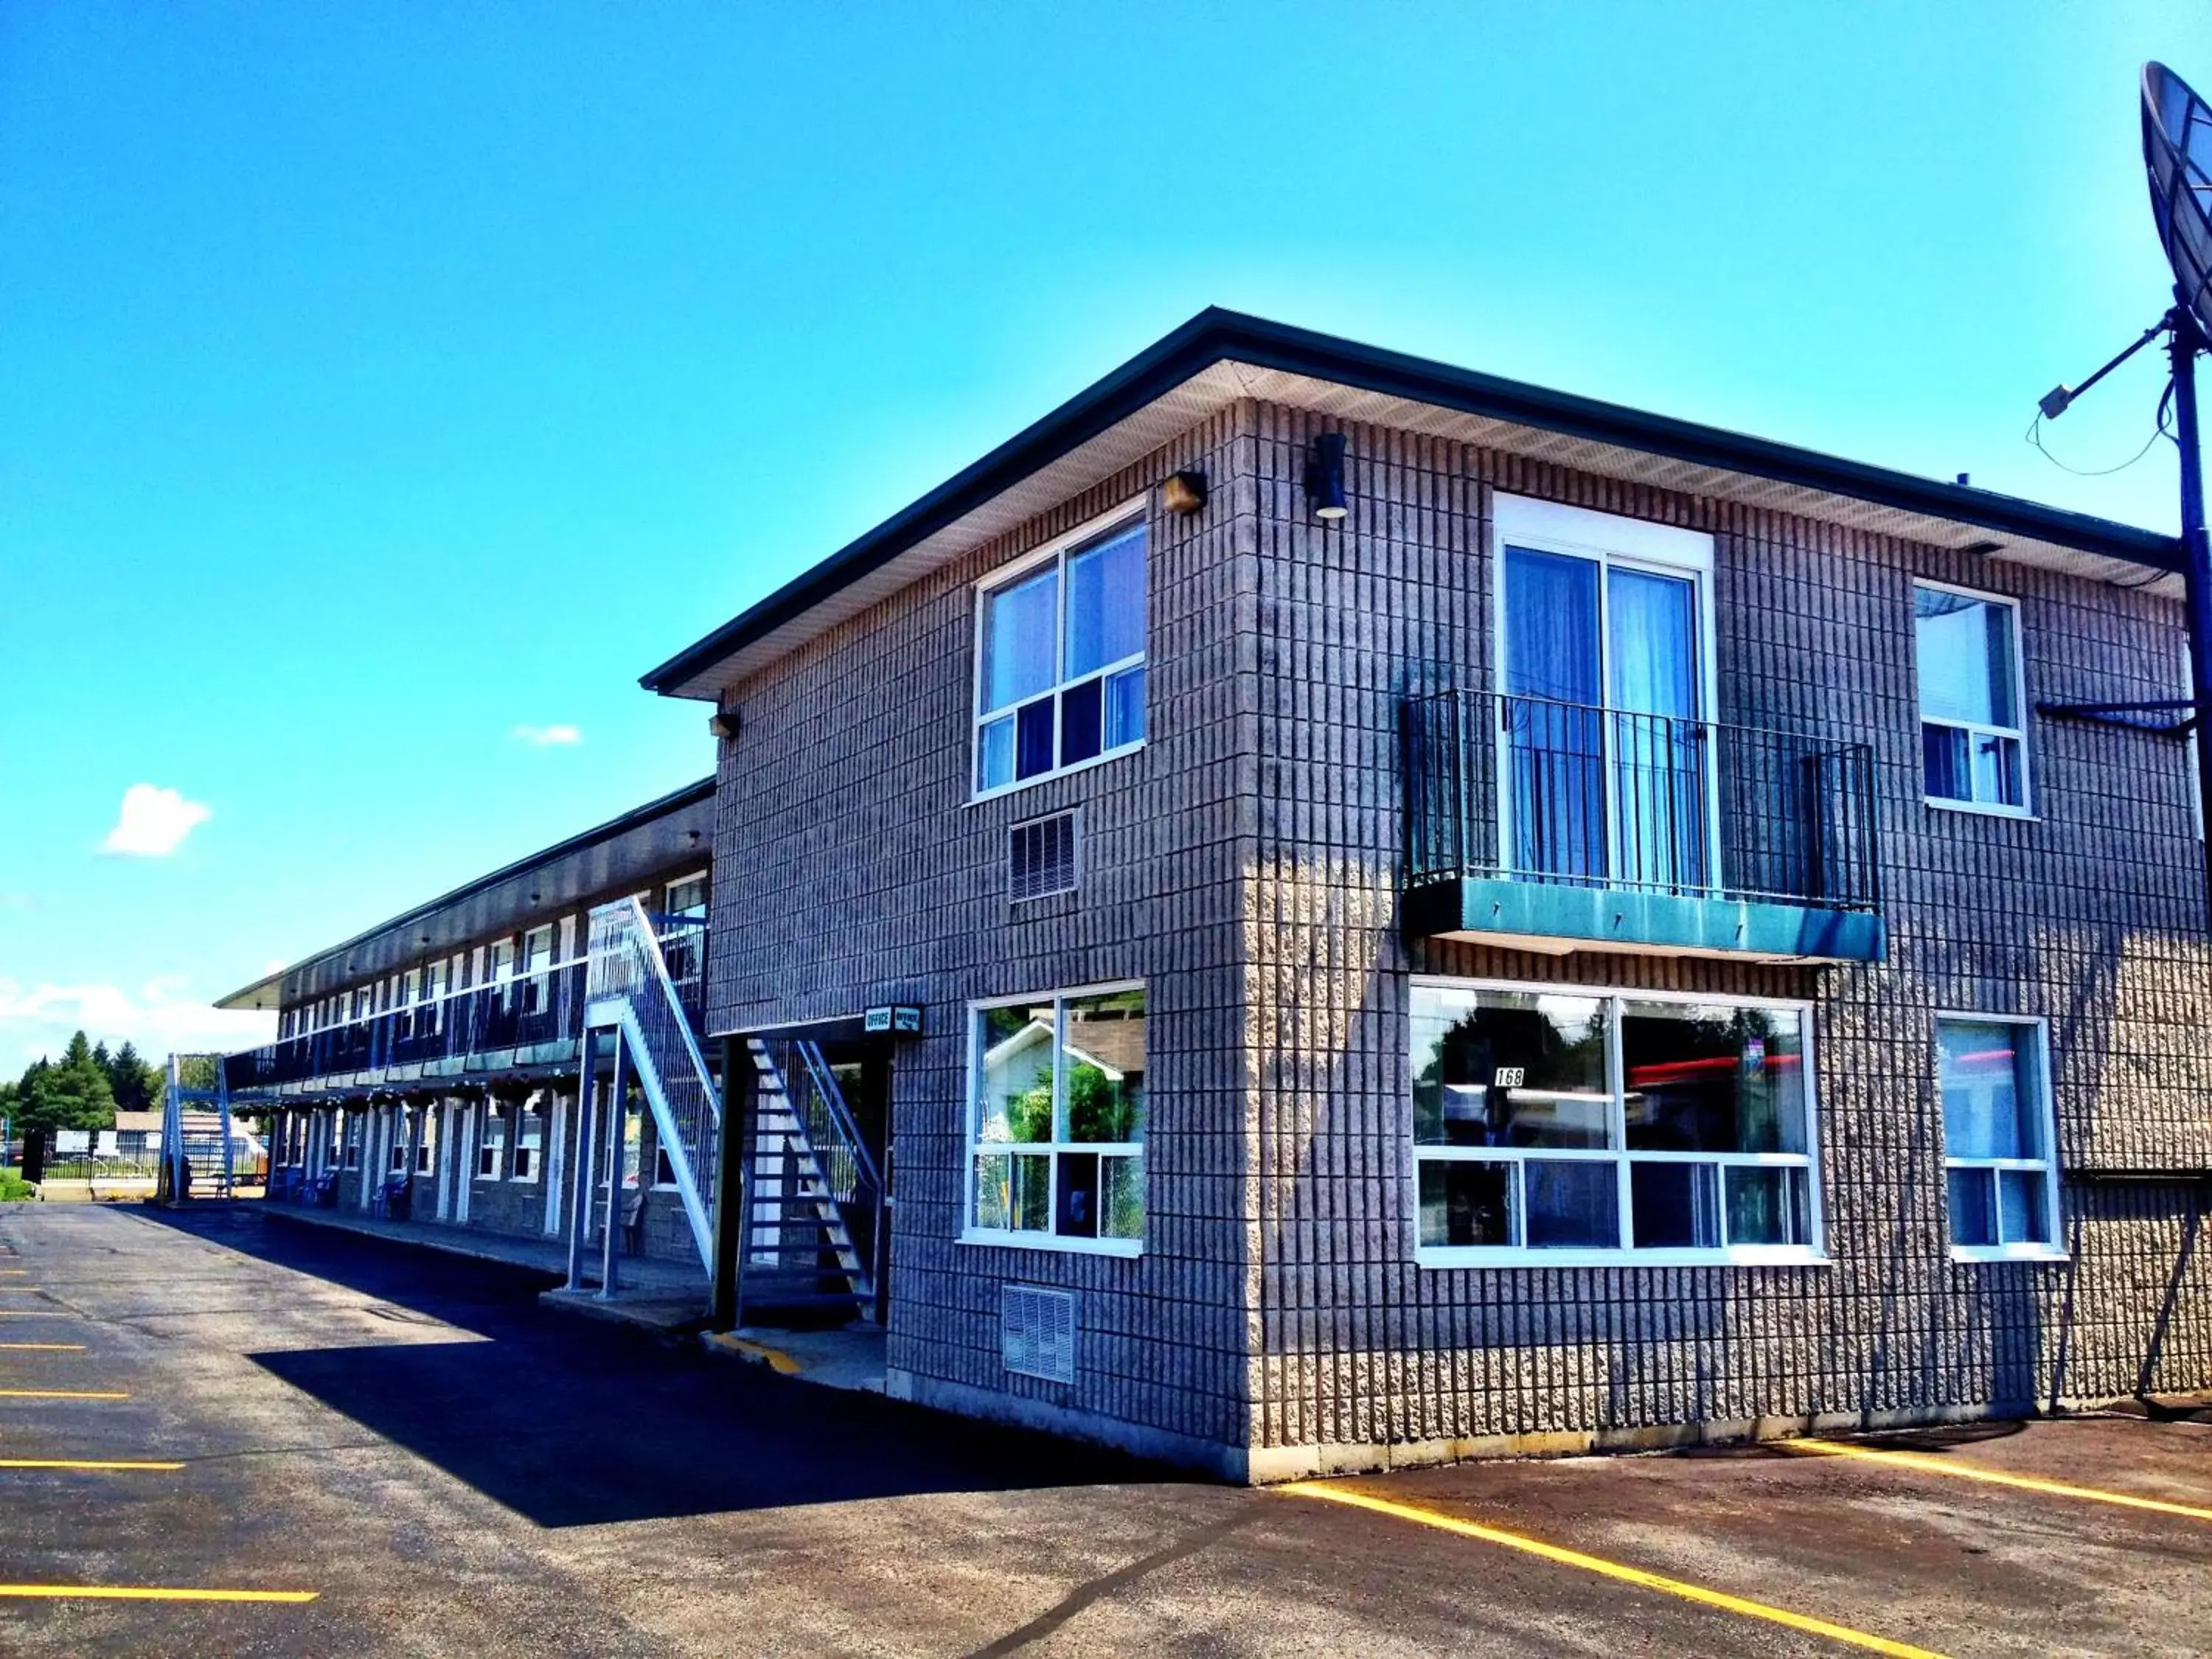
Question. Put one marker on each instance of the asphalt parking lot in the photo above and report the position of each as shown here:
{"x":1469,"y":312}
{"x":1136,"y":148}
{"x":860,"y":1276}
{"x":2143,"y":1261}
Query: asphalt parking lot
{"x":377,"y":1449}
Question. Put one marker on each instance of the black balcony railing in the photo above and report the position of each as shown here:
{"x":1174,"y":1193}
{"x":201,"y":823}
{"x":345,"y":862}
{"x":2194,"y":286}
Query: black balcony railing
{"x":1528,"y":789}
{"x":519,"y":1014}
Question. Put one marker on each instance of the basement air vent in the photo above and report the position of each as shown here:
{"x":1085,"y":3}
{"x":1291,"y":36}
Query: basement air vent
{"x":1041,"y":857}
{"x":1036,"y":1332}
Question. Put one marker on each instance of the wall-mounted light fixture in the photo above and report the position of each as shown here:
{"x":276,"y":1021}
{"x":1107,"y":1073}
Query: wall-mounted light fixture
{"x":723,"y":723}
{"x":1184,"y":492}
{"x":1325,"y":477}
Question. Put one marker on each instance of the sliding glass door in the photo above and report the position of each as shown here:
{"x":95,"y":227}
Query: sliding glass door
{"x":1608,"y":759}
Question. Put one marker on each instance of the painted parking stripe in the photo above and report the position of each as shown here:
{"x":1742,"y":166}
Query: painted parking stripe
{"x":81,"y":1463}
{"x":61,"y":1394}
{"x":36,"y":1313}
{"x":153,"y":1593}
{"x":1614,"y":1570}
{"x":1926,"y":1463}
{"x":42,"y":1347}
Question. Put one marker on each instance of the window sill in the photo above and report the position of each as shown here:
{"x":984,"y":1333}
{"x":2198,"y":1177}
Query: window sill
{"x":1001,"y":791}
{"x":1473,"y":1255}
{"x":1971,"y":1255}
{"x":1981,"y":809}
{"x":1128,"y":1247}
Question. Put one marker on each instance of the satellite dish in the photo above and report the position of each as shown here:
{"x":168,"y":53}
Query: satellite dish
{"x":2177,"y":138}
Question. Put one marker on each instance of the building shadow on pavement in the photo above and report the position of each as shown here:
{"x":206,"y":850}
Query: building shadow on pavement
{"x":571,"y":1422}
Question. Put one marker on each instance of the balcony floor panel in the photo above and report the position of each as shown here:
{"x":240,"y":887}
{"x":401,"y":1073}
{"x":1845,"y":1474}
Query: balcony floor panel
{"x":1557,"y":917}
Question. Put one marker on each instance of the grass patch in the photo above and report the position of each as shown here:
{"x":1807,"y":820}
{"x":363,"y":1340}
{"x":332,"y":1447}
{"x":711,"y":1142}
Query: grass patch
{"x":13,"y":1189}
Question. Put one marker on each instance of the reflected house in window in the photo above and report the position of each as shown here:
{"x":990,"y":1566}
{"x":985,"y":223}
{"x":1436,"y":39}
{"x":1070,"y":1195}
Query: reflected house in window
{"x":1581,"y":937}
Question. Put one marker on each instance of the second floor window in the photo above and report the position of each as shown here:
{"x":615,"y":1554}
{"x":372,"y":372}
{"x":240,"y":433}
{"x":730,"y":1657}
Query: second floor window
{"x":1972,"y":738}
{"x":1060,"y":675}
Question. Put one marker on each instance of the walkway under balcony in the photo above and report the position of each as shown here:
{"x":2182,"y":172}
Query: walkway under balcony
{"x":1558,"y":827}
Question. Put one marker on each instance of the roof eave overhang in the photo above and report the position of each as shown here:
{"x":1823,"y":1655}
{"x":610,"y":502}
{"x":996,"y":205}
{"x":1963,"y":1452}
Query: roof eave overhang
{"x":1258,"y":350}
{"x":271,"y":991}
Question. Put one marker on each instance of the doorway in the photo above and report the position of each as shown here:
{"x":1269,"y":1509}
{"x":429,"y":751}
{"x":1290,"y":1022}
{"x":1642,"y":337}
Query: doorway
{"x":1606,"y":750}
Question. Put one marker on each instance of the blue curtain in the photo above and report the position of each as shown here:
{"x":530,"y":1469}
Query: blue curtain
{"x":1660,"y":748}
{"x":1554,"y":737}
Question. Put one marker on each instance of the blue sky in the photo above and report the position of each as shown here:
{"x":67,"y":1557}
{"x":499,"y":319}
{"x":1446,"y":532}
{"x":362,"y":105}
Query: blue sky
{"x":389,"y":386}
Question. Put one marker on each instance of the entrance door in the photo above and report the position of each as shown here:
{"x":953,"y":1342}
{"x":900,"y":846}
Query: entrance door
{"x":1606,"y":756}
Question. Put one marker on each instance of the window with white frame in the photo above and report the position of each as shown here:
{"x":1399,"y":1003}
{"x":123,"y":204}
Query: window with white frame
{"x":1056,"y":1123}
{"x":1552,"y":1124}
{"x":426,"y":1149}
{"x":1059,"y":679}
{"x":491,"y":1140}
{"x":1973,"y":742}
{"x":1998,"y":1157}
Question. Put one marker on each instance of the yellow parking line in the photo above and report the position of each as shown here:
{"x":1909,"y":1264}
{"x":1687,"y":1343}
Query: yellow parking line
{"x":36,"y":1313}
{"x":60,"y":1394}
{"x":42,"y":1347}
{"x":81,"y":1463}
{"x":1932,"y":1465}
{"x":1615,"y":1569}
{"x":154,"y":1593}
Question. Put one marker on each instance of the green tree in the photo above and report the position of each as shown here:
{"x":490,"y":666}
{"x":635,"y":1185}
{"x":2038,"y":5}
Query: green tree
{"x":73,"y":1094}
{"x":139,"y":1085}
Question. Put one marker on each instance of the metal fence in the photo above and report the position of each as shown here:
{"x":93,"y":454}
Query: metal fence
{"x":1531,"y":789}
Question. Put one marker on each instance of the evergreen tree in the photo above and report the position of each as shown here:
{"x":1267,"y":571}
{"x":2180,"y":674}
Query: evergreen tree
{"x":139,"y":1085}
{"x":74,"y":1093}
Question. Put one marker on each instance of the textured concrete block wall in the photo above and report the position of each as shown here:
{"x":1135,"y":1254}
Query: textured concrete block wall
{"x":1245,"y":865}
{"x":2090,"y":916}
{"x":852,"y":869}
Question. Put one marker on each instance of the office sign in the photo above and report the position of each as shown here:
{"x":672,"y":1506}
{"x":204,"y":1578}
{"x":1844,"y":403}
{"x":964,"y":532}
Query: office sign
{"x":898,"y":1020}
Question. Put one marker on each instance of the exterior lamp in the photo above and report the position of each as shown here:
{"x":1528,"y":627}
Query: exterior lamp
{"x":1325,"y":477}
{"x":1184,"y":492}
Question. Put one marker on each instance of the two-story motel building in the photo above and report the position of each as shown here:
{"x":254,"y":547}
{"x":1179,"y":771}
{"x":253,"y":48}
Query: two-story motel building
{"x":1317,"y":908}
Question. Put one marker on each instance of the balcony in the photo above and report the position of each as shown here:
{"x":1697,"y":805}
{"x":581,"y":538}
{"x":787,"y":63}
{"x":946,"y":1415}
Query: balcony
{"x":516,"y":1026}
{"x":1557,"y":827}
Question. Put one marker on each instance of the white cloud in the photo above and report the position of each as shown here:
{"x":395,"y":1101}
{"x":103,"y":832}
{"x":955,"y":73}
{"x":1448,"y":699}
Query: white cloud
{"x":39,"y":1021}
{"x":153,"y":821}
{"x":547,"y":737}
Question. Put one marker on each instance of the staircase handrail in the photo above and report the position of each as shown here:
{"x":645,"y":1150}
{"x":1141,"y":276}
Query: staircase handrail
{"x":657,"y":965}
{"x":833,"y":1100}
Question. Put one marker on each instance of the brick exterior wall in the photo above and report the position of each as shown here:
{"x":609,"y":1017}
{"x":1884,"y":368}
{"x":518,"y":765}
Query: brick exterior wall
{"x":1245,"y":865}
{"x":859,"y":873}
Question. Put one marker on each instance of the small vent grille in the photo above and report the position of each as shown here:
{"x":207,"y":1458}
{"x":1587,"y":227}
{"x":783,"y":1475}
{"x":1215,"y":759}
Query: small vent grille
{"x":1041,"y":857}
{"x":1036,"y":1332}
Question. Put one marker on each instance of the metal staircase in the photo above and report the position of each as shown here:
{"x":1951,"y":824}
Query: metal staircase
{"x":628,"y":991}
{"x":195,"y":1080}
{"x":815,"y":1221}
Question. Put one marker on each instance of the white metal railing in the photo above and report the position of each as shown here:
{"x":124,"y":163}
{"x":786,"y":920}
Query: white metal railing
{"x":628,"y":987}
